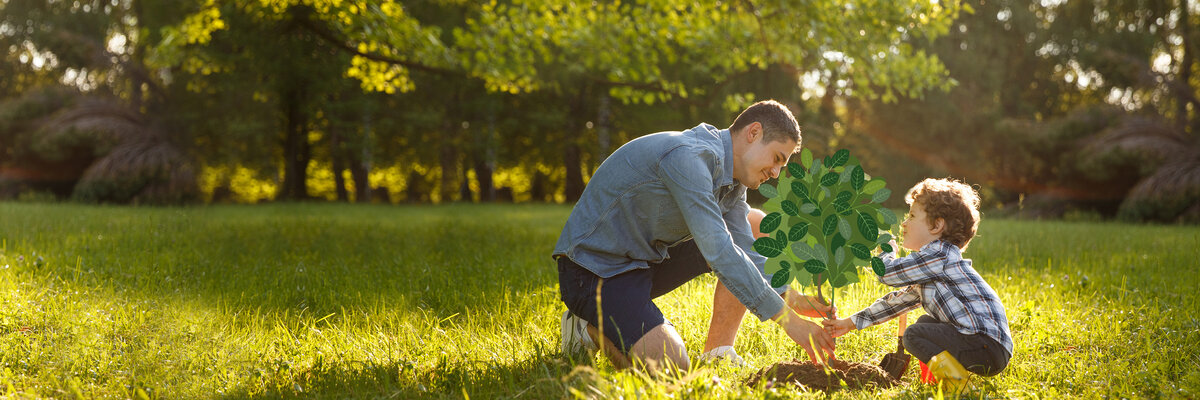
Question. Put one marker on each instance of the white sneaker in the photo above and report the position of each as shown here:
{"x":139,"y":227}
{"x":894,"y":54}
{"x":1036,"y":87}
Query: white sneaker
{"x":574,"y":335}
{"x":723,"y":353}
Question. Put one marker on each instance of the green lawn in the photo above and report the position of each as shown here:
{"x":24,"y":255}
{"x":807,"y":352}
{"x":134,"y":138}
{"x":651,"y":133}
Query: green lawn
{"x":338,"y":301}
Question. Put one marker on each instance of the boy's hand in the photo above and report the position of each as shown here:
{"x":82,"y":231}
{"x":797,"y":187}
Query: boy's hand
{"x":838,"y":327}
{"x":808,"y":306}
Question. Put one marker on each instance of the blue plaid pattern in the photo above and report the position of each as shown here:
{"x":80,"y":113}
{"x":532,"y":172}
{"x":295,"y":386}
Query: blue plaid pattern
{"x":940,"y":280}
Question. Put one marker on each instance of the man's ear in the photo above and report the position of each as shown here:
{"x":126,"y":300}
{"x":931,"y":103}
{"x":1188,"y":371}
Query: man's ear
{"x":938,"y":226}
{"x":754,"y":132}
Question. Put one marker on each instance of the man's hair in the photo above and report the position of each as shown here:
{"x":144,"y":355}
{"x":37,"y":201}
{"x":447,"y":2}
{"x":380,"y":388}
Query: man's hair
{"x":777,"y":121}
{"x":954,"y":202}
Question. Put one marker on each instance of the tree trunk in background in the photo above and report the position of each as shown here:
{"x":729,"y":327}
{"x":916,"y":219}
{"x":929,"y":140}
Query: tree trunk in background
{"x":1182,"y":119}
{"x":448,"y":159}
{"x":572,"y":154}
{"x":338,"y":156}
{"x":602,"y":122}
{"x":360,"y":166}
{"x":296,"y":149}
{"x":485,"y":165}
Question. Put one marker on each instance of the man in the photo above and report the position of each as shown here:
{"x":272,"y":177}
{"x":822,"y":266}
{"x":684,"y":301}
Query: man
{"x":657,"y":213}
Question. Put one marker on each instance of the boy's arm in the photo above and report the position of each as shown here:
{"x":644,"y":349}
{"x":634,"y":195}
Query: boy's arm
{"x":919,"y":267}
{"x":887,"y":307}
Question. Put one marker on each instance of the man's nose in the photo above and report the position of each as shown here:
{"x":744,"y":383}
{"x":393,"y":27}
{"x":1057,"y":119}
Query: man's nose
{"x":775,"y":172}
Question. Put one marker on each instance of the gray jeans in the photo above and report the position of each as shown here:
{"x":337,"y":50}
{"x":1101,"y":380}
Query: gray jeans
{"x":978,"y":353}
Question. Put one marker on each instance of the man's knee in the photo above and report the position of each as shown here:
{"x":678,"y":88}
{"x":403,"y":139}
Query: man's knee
{"x":660,"y":346}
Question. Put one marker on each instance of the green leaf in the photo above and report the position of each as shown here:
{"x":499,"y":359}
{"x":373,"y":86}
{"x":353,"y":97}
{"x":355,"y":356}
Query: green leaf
{"x":829,"y":179}
{"x":768,"y":247}
{"x":837,"y":242}
{"x":827,"y":163}
{"x":798,"y":231}
{"x":814,"y":266}
{"x":851,"y":276}
{"x":887,"y":248}
{"x":844,"y":228}
{"x":804,"y":252}
{"x":883,"y":238}
{"x":808,"y":208}
{"x":768,"y":191}
{"x":790,"y":208}
{"x":857,"y":179}
{"x":873,"y":186}
{"x":877,"y":266}
{"x":867,"y":226}
{"x":841,"y":207}
{"x":843,"y":197}
{"x":795,"y":170}
{"x":839,"y":256}
{"x":818,"y":279}
{"x":770,"y":222}
{"x":881,"y":196}
{"x":821,"y":253}
{"x":829,"y":225}
{"x":806,"y":158}
{"x":861,"y":251}
{"x":840,"y":157}
{"x":887,"y":216}
{"x":800,"y":189}
{"x":780,"y":278}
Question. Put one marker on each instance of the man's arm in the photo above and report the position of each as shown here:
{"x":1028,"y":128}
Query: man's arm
{"x":740,"y":228}
{"x":687,"y":175}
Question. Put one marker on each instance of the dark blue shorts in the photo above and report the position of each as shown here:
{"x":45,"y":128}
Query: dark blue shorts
{"x":626,"y":299}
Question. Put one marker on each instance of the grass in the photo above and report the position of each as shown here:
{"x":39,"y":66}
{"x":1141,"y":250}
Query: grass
{"x":337,"y":301}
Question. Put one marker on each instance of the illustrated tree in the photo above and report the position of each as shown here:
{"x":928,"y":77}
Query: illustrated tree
{"x":825,"y":218}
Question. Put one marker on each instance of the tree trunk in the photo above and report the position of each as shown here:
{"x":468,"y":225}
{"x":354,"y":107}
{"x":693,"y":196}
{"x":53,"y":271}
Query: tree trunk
{"x":449,"y":163}
{"x":296,"y":149}
{"x":602,"y":122}
{"x":338,"y":156}
{"x":360,"y":167}
{"x":572,"y":154}
{"x":1182,"y":119}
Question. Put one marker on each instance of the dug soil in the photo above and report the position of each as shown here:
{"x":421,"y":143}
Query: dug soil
{"x":814,"y":376}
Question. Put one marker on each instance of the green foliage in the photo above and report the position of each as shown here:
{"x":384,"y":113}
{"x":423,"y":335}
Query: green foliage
{"x":833,"y":252}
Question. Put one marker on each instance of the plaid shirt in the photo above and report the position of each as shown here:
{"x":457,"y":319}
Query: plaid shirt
{"x":939,"y":279}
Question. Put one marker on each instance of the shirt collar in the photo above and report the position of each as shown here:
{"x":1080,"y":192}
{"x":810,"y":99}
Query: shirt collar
{"x":727,"y":160}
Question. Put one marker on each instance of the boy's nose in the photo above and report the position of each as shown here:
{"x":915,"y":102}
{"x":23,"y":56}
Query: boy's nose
{"x":775,"y":172}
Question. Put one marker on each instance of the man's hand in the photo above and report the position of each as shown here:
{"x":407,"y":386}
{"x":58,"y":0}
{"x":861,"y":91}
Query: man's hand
{"x":808,"y":335}
{"x":838,"y":327}
{"x":808,"y":306}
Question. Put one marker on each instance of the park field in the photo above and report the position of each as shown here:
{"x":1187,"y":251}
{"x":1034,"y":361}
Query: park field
{"x":461,"y":301}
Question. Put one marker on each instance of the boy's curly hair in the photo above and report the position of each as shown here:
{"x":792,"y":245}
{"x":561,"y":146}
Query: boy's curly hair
{"x":954,"y":202}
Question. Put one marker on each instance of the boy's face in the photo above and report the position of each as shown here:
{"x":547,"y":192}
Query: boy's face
{"x":917,"y":232}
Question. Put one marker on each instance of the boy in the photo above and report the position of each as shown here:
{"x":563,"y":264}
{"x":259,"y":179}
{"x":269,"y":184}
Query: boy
{"x":965,"y":328}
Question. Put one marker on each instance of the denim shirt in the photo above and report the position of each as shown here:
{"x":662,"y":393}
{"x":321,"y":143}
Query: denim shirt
{"x":662,"y":189}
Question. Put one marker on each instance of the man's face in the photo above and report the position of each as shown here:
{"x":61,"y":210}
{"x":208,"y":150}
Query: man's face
{"x":763,"y":160}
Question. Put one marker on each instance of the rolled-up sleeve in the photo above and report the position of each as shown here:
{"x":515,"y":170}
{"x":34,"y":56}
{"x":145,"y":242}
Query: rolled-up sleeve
{"x":743,"y":237}
{"x":687,"y":176}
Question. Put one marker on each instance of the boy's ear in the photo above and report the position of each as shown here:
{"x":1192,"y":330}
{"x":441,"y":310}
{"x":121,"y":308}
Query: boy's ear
{"x":938,"y":226}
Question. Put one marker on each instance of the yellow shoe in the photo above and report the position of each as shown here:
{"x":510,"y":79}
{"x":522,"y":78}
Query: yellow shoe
{"x":950,"y":374}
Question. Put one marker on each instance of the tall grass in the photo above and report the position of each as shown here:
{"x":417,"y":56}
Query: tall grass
{"x":337,"y":301}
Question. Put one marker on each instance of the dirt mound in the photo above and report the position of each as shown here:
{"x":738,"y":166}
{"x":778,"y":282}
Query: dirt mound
{"x":814,"y":376}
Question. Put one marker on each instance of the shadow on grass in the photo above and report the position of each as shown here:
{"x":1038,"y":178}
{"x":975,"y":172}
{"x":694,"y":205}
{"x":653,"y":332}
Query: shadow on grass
{"x":543,"y":375}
